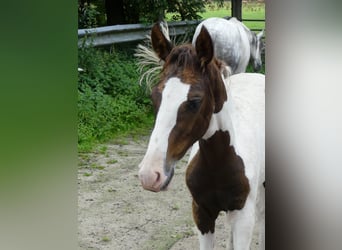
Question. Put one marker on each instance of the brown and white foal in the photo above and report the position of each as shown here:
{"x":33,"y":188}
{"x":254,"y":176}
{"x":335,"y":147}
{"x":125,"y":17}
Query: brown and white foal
{"x":223,"y":117}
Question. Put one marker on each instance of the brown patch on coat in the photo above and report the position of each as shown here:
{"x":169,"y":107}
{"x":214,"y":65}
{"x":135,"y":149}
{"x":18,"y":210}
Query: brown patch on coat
{"x":216,"y":179}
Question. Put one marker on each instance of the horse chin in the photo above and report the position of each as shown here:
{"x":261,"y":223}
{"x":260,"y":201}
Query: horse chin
{"x":164,"y":187}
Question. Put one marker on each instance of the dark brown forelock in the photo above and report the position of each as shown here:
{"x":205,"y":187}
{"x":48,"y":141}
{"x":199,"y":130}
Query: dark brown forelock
{"x":183,"y":63}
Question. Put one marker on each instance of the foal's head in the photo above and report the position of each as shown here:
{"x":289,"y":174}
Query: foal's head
{"x":257,"y":46}
{"x":190,"y":90}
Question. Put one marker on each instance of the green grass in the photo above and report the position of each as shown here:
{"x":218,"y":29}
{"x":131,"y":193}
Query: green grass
{"x":249,"y":11}
{"x":105,"y":239}
{"x":256,"y":12}
{"x":95,"y":166}
{"x":102,"y":149}
{"x":112,"y":161}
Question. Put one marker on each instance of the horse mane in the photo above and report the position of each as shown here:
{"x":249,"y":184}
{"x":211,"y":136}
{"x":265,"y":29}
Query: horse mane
{"x":149,"y":64}
{"x":225,"y":70}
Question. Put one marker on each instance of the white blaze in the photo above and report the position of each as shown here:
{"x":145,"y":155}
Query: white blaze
{"x":174,"y":94}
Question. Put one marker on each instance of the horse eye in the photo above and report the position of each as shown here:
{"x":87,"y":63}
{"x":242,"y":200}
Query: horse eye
{"x":194,"y":104}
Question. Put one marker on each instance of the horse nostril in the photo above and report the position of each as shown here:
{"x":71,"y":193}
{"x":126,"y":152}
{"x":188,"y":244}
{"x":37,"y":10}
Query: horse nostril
{"x":158,"y":176}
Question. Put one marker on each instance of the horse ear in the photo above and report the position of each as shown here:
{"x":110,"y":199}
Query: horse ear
{"x":204,"y":47}
{"x":161,"y":45}
{"x":260,"y":34}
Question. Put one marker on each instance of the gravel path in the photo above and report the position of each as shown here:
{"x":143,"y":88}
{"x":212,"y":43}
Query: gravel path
{"x":114,"y":212}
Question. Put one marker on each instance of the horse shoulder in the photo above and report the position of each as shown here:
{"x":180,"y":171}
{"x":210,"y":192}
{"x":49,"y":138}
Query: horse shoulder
{"x":247,"y":93}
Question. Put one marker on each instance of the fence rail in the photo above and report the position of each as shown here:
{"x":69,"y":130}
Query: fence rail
{"x":109,"y":35}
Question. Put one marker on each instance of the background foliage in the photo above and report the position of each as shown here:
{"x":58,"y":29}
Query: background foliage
{"x":110,"y":101}
{"x":139,"y":11}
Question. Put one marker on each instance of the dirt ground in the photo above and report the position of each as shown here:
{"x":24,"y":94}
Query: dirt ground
{"x":114,"y":212}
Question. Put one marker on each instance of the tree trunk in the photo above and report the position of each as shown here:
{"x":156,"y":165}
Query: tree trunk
{"x":115,"y":12}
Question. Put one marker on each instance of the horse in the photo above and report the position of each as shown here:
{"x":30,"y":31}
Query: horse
{"x":234,"y":43}
{"x":198,"y":103}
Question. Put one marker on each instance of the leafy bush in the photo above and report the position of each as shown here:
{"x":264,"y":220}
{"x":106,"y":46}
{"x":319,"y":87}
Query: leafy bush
{"x":87,"y":14}
{"x":110,"y":101}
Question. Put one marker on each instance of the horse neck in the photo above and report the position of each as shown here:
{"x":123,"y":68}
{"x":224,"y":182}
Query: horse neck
{"x":221,"y":124}
{"x":253,"y":42}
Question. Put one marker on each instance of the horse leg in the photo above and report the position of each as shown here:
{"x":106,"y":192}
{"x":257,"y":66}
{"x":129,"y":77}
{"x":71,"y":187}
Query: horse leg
{"x":261,"y":217}
{"x":206,"y":240}
{"x":228,"y":225}
{"x":205,"y":225}
{"x":262,"y":234}
{"x":243,"y":222}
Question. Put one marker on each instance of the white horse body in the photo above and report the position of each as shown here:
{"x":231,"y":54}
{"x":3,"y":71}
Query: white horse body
{"x":233,"y":42}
